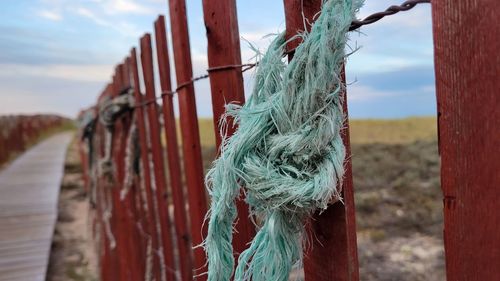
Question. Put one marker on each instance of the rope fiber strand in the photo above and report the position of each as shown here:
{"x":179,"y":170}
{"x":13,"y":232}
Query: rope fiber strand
{"x":287,"y":153}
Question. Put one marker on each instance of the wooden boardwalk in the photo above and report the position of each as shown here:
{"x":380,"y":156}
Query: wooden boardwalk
{"x":29,"y":188}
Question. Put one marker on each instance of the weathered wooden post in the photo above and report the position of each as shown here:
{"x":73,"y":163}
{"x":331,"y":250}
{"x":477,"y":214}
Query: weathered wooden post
{"x":333,"y":254}
{"x":133,"y":241}
{"x":467,"y":66}
{"x":189,"y":129}
{"x":106,"y":257}
{"x":146,"y":169}
{"x":120,"y":252}
{"x":174,"y":163}
{"x":221,"y":22}
{"x":157,"y":155}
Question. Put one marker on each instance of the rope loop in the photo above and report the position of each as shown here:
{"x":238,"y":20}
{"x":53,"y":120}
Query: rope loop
{"x":287,"y":153}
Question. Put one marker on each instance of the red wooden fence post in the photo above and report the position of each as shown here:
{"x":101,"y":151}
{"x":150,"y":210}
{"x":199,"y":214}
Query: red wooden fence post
{"x":138,"y":215}
{"x":107,"y":188}
{"x":174,"y":165}
{"x":221,"y":22}
{"x":106,"y":263}
{"x":146,"y":169}
{"x":82,"y":153}
{"x":130,"y":216}
{"x":157,"y":154}
{"x":466,"y":44}
{"x":333,"y":254}
{"x":120,"y":251}
{"x":190,"y":132}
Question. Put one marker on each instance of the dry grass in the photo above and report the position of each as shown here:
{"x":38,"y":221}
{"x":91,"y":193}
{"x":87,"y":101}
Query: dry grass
{"x":364,"y":131}
{"x":395,"y":131}
{"x":398,"y":211}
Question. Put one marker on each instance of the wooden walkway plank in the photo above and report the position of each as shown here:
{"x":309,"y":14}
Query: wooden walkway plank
{"x":29,"y":188}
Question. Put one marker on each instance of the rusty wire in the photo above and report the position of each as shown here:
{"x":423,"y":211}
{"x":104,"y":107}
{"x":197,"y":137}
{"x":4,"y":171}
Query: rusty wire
{"x":389,"y":11}
{"x":405,"y":6}
{"x":244,"y":67}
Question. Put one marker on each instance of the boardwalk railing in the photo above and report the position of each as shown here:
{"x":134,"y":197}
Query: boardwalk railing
{"x":150,"y":209}
{"x":18,"y":132}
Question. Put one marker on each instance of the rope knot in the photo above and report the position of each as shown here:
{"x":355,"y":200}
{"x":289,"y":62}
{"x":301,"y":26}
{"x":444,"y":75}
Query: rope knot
{"x":287,"y":153}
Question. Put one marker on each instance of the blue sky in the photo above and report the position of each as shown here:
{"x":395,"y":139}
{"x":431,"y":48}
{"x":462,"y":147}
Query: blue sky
{"x":56,"y":55}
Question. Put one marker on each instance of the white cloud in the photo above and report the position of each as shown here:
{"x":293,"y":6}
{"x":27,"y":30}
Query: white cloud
{"x":90,"y":15}
{"x":429,"y":89}
{"x":34,"y":96}
{"x":128,"y":29}
{"x":361,"y":93}
{"x":199,"y":61}
{"x":259,"y":39}
{"x":364,"y":93}
{"x":87,"y":73}
{"x":418,"y":17}
{"x":364,"y":62}
{"x":254,"y":36}
{"x":126,"y":6}
{"x":107,"y":13}
{"x":50,"y":15}
{"x":114,"y":7}
{"x":29,"y":104}
{"x":123,"y":27}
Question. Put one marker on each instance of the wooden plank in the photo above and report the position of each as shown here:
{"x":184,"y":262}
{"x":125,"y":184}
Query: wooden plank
{"x":221,"y":22}
{"x":221,"y":25}
{"x":333,"y":253}
{"x":157,"y":155}
{"x":119,"y":252}
{"x":190,"y":132}
{"x":174,"y":164}
{"x":466,"y":45}
{"x":125,"y":232}
{"x":26,"y":226}
{"x":146,"y":169}
{"x":131,"y":217}
{"x":104,"y":204}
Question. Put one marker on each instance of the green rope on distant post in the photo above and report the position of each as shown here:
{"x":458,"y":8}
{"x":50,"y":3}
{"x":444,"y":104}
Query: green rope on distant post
{"x":287,"y":152}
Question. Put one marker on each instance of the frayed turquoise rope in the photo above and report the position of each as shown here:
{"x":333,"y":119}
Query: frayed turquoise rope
{"x":287,"y":153}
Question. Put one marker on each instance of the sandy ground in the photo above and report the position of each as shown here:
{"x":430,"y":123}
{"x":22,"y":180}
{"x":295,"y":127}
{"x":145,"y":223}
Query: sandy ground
{"x":399,"y":211}
{"x":72,"y":255}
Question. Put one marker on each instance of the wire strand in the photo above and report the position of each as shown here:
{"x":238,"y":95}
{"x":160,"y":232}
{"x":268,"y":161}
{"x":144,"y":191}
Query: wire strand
{"x":356,"y":24}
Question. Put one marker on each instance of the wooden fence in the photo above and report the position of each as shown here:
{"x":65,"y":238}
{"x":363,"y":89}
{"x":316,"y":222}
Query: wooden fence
{"x":147,"y":225}
{"x":18,"y":132}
